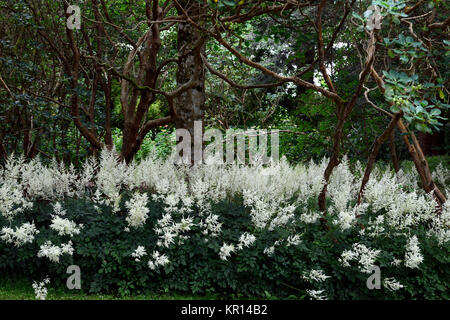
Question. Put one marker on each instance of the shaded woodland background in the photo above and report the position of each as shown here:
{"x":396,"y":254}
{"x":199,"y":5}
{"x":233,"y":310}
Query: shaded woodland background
{"x":136,"y":70}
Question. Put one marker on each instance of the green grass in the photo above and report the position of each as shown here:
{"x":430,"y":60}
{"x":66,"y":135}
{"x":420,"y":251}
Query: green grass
{"x":21,"y":289}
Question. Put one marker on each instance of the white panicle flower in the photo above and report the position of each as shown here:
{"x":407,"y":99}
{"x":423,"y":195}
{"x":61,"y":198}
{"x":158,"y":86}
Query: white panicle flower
{"x":12,"y":202}
{"x":261,"y":209}
{"x":346,"y":219}
{"x":442,"y":174}
{"x":53,"y":252}
{"x":413,"y":257}
{"x":284,"y":215}
{"x":111,"y":176}
{"x":211,"y":225}
{"x":185,"y":225}
{"x":375,"y":228}
{"x":396,"y":262}
{"x":167,"y":238}
{"x":392,"y":284}
{"x":269,"y":251}
{"x":293,"y":240}
{"x":342,"y":188}
{"x":346,"y":257}
{"x":139,"y":253}
{"x":246,"y":240}
{"x":440,"y":224}
{"x":40,"y":290}
{"x":65,"y":226}
{"x":158,"y":260}
{"x":226,"y":250}
{"x":316,"y":294}
{"x":66,"y":248}
{"x":315,"y":275}
{"x":50,"y":251}
{"x":366,"y":257}
{"x":58,"y":209}
{"x":21,"y":235}
{"x":311,"y":217}
{"x":137,"y":210}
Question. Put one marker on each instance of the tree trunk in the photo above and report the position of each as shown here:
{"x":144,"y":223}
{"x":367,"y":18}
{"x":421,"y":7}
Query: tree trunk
{"x":373,"y":155}
{"x":393,"y":150}
{"x":421,"y":164}
{"x":190,"y":104}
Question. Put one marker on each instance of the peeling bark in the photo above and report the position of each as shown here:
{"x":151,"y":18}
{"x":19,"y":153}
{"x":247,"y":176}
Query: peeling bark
{"x":190,"y":104}
{"x":373,"y":155}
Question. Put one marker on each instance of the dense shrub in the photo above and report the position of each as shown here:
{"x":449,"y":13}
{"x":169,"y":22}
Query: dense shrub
{"x":232,"y":230}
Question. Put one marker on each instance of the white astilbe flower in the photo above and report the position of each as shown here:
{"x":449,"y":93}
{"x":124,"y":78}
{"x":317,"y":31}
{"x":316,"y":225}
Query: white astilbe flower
{"x":58,"y":209}
{"x":65,"y":226}
{"x":341,"y":187}
{"x":48,"y":182}
{"x":283,"y":217}
{"x":110,"y":178}
{"x":86,"y":178}
{"x":381,"y":192}
{"x":315,"y":275}
{"x":21,"y":235}
{"x":158,"y":260}
{"x":246,"y":240}
{"x":310,"y":179}
{"x":396,"y":262}
{"x":440,"y":225}
{"x":139,"y":253}
{"x":169,"y":230}
{"x":137,"y":210}
{"x":184,"y":225}
{"x":311,"y":217}
{"x":12,"y":201}
{"x":211,"y":225}
{"x":226,"y":250}
{"x":316,"y":294}
{"x":441,"y":174}
{"x":347,"y":219}
{"x":261,"y":210}
{"x":53,"y":252}
{"x":165,"y":228}
{"x":293,"y":240}
{"x":407,"y":179}
{"x":269,"y":250}
{"x":364,"y":256}
{"x":40,"y":291}
{"x":410,"y":209}
{"x":392,"y":284}
{"x":375,"y":227}
{"x":413,"y":257}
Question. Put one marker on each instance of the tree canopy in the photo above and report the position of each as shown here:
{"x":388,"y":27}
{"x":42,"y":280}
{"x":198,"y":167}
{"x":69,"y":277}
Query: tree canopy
{"x":337,"y":77}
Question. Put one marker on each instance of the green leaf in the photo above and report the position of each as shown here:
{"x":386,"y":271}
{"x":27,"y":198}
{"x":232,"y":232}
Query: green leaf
{"x":435,"y":112}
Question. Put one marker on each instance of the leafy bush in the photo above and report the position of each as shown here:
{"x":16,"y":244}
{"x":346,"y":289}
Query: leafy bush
{"x":161,"y":145}
{"x":233,"y":230}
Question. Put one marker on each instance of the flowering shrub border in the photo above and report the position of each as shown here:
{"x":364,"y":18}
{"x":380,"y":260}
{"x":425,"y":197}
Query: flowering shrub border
{"x":231,"y":229}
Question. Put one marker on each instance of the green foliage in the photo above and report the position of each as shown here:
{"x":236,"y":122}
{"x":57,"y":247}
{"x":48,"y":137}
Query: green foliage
{"x":408,"y":95}
{"x":161,"y":145}
{"x":103,"y":252}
